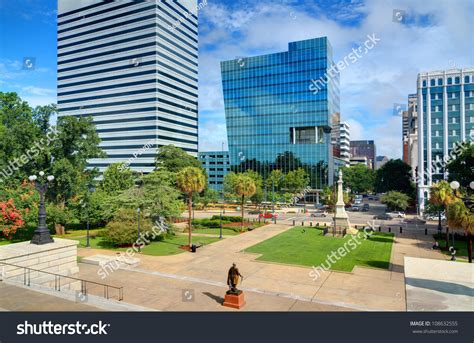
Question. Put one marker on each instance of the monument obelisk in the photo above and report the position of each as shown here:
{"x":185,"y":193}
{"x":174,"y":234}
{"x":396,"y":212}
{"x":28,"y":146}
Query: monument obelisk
{"x":341,"y":219}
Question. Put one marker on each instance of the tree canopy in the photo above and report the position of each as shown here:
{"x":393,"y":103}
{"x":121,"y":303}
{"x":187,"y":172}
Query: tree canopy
{"x":395,"y":175}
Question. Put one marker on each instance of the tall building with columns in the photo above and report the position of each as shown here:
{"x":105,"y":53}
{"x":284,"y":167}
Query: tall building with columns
{"x":445,"y":118}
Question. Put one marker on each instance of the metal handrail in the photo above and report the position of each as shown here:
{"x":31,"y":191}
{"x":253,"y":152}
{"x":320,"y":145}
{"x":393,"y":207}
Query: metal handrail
{"x":57,"y":281}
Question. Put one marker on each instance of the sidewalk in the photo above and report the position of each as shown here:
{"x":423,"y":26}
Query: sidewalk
{"x":206,"y":271}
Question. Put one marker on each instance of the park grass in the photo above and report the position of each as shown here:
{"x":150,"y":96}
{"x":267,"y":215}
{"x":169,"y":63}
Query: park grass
{"x":5,"y":242}
{"x":214,"y":231}
{"x":80,"y":233}
{"x":169,"y":246}
{"x":308,"y":247}
{"x":460,"y":246}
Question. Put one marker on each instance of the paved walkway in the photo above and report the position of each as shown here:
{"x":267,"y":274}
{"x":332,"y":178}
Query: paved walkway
{"x":14,"y":298}
{"x":158,"y":282}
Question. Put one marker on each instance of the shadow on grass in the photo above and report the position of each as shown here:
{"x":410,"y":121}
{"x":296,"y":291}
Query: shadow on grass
{"x":380,"y":239}
{"x":218,"y":299}
{"x":378,"y":264}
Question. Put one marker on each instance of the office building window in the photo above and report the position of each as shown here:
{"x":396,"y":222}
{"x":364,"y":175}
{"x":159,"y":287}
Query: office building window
{"x":432,"y":82}
{"x":457,"y":80}
{"x":453,"y":95}
{"x":306,"y":135}
{"x":437,"y":146}
{"x":450,"y":80}
{"x":454,"y":133}
{"x":453,"y":107}
{"x":436,"y":133}
{"x":440,"y":82}
{"x":424,"y":83}
{"x":454,"y":120}
{"x":466,"y":79}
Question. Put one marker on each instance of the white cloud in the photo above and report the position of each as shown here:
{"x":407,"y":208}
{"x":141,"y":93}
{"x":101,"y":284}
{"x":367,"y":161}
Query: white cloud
{"x":211,"y":136}
{"x":38,"y":91}
{"x":438,"y":38}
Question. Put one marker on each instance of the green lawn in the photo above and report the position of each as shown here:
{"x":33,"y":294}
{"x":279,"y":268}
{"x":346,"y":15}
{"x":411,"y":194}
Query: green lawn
{"x":311,"y":248}
{"x":212,"y":231}
{"x":169,"y":246}
{"x":80,"y":233}
{"x":4,"y":242}
{"x":461,"y":246}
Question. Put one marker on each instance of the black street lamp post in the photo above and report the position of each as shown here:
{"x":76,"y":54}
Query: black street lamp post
{"x":91,"y":190}
{"x":41,"y":235}
{"x":139,"y":235}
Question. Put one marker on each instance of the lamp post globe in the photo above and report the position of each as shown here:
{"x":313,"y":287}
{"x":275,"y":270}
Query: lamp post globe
{"x":41,"y":235}
{"x":454,"y":185}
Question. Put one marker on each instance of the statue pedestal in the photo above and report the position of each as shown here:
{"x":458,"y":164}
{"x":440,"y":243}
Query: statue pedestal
{"x":234,"y":301}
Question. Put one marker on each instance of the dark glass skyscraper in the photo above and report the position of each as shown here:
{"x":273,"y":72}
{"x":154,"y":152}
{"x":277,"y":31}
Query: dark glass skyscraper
{"x":276,"y":117}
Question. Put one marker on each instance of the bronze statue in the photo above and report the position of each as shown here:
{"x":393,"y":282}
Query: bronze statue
{"x":233,"y":280}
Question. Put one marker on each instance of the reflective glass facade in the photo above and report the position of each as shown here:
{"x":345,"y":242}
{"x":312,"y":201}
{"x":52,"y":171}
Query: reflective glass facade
{"x":275,"y":119}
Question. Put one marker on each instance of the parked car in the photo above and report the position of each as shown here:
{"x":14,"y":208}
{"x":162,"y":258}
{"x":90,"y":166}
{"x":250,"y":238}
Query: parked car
{"x":365,"y":207}
{"x":397,"y":214}
{"x":319,"y":214}
{"x":268,"y":215}
{"x":376,"y":198}
{"x":435,"y":217}
{"x":384,"y":216}
{"x":371,"y":197}
{"x":355,"y":208}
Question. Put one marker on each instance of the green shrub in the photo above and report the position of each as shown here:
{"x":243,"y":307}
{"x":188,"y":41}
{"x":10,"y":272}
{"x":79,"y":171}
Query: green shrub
{"x":209,"y":223}
{"x":233,"y":219}
{"x":123,"y":229}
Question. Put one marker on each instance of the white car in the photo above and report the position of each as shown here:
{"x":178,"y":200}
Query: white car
{"x":435,"y":217}
{"x":397,"y":214}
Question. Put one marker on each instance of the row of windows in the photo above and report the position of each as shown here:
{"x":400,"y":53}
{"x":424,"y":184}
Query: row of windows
{"x":149,"y":127}
{"x":271,"y":60}
{"x":146,"y":137}
{"x":438,"y":108}
{"x":457,"y":80}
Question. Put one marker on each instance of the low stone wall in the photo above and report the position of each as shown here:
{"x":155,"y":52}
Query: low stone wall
{"x":59,"y":257}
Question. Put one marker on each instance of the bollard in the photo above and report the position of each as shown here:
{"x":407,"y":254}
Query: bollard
{"x":380,"y":228}
{"x":356,"y":227}
{"x":324,"y":224}
{"x":426,"y":231}
{"x":401,"y":229}
{"x":317,"y":224}
{"x":293,"y":223}
{"x":310,"y":223}
{"x":302,"y":223}
{"x":389,"y":229}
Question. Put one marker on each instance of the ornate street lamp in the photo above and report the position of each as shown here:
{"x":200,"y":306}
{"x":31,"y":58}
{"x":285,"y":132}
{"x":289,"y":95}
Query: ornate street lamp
{"x":468,"y":201}
{"x":41,"y":235}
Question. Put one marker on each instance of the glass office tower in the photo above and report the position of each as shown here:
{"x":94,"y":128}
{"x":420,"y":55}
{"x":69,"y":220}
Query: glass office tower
{"x":133,"y":67}
{"x":276,"y":117}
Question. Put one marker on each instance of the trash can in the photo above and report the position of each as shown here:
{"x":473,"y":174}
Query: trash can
{"x":193,"y":248}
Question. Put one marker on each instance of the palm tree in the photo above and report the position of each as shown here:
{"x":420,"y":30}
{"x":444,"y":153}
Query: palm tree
{"x":244,"y":186}
{"x":190,"y":180}
{"x":441,"y":194}
{"x":460,"y":217}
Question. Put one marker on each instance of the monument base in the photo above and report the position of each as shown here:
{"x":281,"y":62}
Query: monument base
{"x":234,"y":301}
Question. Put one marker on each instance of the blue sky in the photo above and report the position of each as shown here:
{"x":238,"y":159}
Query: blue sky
{"x":430,"y":35}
